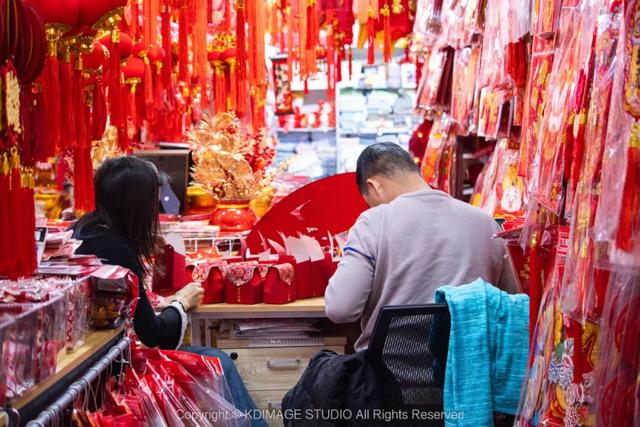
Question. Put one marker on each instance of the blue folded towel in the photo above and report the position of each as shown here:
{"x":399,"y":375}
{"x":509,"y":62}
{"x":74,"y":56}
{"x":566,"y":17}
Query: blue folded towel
{"x":488,"y":350}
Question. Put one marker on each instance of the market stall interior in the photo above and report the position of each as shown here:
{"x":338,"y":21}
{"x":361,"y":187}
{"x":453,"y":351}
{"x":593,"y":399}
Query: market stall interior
{"x":263,"y":125}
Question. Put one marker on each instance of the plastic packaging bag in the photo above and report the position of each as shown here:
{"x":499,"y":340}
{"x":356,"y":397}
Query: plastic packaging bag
{"x":618,"y":218}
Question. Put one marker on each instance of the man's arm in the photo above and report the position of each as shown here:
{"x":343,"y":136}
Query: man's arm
{"x":349,"y":289}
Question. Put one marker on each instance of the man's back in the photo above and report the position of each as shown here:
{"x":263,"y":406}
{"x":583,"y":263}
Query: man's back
{"x":409,"y":248}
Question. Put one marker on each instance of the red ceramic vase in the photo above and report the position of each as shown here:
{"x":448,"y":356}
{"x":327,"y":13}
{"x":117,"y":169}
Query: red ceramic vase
{"x":234,"y":215}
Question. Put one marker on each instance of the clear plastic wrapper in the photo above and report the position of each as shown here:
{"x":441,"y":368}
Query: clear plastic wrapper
{"x":536,"y":90}
{"x":616,"y":388}
{"x":7,"y":330}
{"x":20,"y":348}
{"x":572,"y":57}
{"x":427,"y":95}
{"x":465,"y":71}
{"x":618,"y":218}
{"x":436,"y":162}
{"x":544,"y":16}
{"x":115,"y":293}
{"x":584,"y":283}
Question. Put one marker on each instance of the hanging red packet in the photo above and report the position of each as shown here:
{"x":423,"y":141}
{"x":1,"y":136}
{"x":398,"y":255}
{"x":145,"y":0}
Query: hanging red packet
{"x":544,"y":16}
{"x":536,"y":90}
{"x":572,"y":55}
{"x":432,"y":160}
{"x":244,"y":284}
{"x":465,"y":71}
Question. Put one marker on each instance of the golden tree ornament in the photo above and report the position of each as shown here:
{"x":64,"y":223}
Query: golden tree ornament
{"x":229,"y":162}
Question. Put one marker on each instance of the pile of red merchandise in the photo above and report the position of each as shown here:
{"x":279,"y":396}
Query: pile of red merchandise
{"x":158,"y":386}
{"x":276,"y":280}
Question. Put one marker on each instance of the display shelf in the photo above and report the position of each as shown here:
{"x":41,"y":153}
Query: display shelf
{"x":94,"y":343}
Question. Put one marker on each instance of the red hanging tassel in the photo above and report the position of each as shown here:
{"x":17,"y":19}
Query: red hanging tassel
{"x":148,"y":81}
{"x":630,"y":210}
{"x":231,"y":79}
{"x":568,"y":146}
{"x":68,"y":131}
{"x":30,"y":260}
{"x":578,"y":150}
{"x":220,"y":86}
{"x":241,"y":60}
{"x":133,"y":105}
{"x":312,"y":25}
{"x":167,"y":66}
{"x":386,"y":25}
{"x":306,"y":86}
{"x":183,"y":43}
{"x":83,"y":180}
{"x":16,"y":215}
{"x":339,"y":64}
{"x":116,"y":94}
{"x":52,"y":104}
{"x":133,"y":24}
{"x":5,"y":208}
{"x":331,"y":59}
{"x":371,"y":32}
{"x":99,"y":110}
{"x":289,"y":44}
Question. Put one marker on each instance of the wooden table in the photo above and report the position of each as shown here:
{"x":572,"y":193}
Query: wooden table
{"x":94,"y":342}
{"x":306,"y":308}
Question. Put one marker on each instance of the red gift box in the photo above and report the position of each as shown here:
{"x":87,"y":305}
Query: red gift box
{"x":280,"y":284}
{"x":302,"y":271}
{"x":174,"y":276}
{"x":319,"y":279}
{"x":212,"y":277}
{"x":244,"y":283}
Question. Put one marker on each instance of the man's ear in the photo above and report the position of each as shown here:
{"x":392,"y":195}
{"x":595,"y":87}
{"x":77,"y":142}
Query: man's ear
{"x":374,"y":185}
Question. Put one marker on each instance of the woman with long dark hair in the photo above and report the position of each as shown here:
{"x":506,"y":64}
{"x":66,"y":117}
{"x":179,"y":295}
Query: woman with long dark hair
{"x":123,"y":230}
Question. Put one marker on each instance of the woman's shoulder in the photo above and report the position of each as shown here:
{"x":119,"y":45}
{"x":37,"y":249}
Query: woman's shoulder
{"x":104,"y":243}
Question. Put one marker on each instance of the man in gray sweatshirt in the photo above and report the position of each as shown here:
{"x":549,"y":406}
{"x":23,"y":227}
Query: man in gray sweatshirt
{"x":412,"y":241}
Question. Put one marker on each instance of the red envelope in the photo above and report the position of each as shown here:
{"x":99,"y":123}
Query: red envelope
{"x":243,"y":284}
{"x":174,"y":276}
{"x":280,"y":284}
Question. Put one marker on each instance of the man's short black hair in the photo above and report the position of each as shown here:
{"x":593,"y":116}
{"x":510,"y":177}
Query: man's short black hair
{"x":383,"y":159}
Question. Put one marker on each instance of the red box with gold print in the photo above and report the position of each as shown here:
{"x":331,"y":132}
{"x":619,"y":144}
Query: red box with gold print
{"x":280,"y":284}
{"x":303,"y":273}
{"x":212,"y":276}
{"x":243,"y":284}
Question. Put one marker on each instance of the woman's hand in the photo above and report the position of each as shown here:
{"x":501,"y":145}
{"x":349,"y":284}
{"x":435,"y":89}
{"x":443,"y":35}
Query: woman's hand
{"x":190,"y":296}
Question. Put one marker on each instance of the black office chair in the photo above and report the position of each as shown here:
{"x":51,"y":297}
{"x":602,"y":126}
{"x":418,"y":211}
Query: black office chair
{"x":408,"y":353}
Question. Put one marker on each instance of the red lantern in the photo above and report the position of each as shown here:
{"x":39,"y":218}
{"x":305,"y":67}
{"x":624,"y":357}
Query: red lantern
{"x":134,"y":71}
{"x":63,"y":14}
{"x":31,"y":51}
{"x":96,"y":57}
{"x":125,"y":44}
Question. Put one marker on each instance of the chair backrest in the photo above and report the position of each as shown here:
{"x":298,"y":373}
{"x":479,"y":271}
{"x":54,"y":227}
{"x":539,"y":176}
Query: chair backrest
{"x":408,"y":351}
